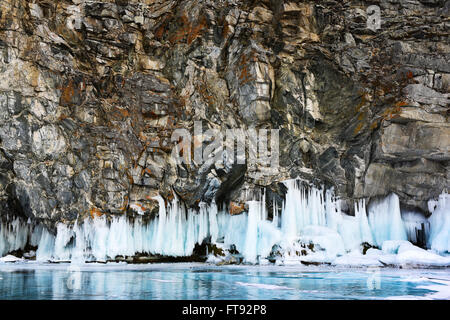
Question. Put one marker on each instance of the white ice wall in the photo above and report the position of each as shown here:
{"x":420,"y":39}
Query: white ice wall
{"x":14,"y":234}
{"x":307,"y":212}
{"x":385,"y":220}
{"x":439,"y":236}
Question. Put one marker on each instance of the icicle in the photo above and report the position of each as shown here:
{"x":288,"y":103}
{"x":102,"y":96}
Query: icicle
{"x":36,"y":235}
{"x":361,"y":216}
{"x":275,"y":215}
{"x":80,"y":248}
{"x":202,"y":223}
{"x":307,"y":213}
{"x":268,"y":236}
{"x":14,"y":235}
{"x":385,"y":220}
{"x":251,"y":237}
{"x":439,"y":238}
{"x":333,"y":211}
{"x":234,"y":228}
{"x":291,"y":206}
{"x":160,"y":225}
{"x":416,"y":226}
{"x":190,"y":231}
{"x":214,"y":228}
{"x":63,"y":236}
{"x":46,"y":246}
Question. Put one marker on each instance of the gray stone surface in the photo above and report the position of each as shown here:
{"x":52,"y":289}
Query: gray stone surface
{"x":91,"y":92}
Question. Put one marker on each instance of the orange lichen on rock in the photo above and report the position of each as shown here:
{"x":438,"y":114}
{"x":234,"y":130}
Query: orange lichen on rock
{"x":160,"y":31}
{"x":118,"y":114}
{"x":236,"y":208}
{"x":225,"y":29}
{"x":187,"y":30}
{"x":244,"y":75}
{"x":142,"y":136}
{"x":361,"y":116}
{"x":141,"y":206}
{"x":401,"y":104}
{"x":67,"y":92}
{"x":130,"y":177}
{"x":170,"y":197}
{"x":358,"y":128}
{"x":391,"y":113}
{"x":62,"y":116}
{"x":374,"y":125}
{"x":125,"y":205}
{"x":123,"y":112}
{"x":364,"y":100}
{"x":203,"y":91}
{"x":94,"y":212}
{"x":196,"y":30}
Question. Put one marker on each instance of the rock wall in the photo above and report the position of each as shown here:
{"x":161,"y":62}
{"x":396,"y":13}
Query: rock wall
{"x":92,"y":91}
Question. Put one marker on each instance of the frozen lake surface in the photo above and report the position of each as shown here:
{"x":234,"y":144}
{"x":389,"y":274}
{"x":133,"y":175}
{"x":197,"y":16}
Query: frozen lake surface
{"x":201,"y":281}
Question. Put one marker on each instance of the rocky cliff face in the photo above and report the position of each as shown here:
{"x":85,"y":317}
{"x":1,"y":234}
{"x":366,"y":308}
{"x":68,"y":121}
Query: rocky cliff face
{"x":92,"y":91}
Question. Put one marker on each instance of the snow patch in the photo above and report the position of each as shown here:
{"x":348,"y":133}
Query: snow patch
{"x":11,"y":258}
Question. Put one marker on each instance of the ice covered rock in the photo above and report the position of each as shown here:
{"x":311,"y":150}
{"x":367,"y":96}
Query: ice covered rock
{"x":14,"y":234}
{"x":355,"y":258}
{"x":418,"y":256}
{"x":11,"y":258}
{"x":439,"y":237}
{"x":311,"y":228}
{"x":410,"y":255}
{"x":385,"y":219}
{"x":323,"y":239}
{"x":392,"y":246}
{"x":417,"y":227}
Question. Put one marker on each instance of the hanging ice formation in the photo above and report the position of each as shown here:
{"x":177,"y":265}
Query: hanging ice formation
{"x":251,"y":233}
{"x":439,"y":236}
{"x":312,"y":215}
{"x":308,"y":215}
{"x":417,"y":227}
{"x":385,"y":220}
{"x":14,"y":235}
{"x":174,"y":233}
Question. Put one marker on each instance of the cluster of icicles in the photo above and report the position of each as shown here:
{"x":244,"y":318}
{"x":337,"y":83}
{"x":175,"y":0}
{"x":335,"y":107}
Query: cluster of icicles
{"x":306,"y":212}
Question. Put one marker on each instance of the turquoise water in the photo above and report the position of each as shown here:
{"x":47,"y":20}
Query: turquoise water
{"x":200,"y":282}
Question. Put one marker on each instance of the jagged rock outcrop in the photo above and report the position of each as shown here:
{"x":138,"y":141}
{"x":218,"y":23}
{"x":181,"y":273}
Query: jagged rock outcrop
{"x":92,"y":91}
